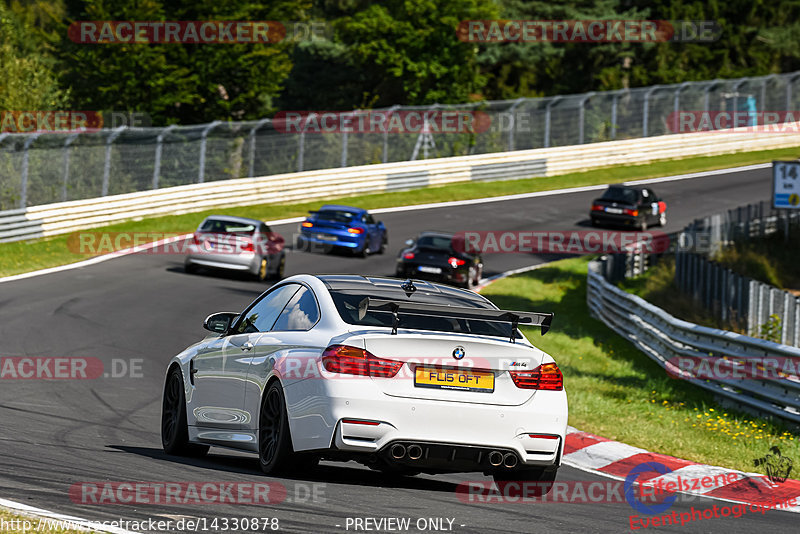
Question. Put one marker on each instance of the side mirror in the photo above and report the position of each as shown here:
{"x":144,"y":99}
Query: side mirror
{"x":219,"y":323}
{"x":409,"y":242}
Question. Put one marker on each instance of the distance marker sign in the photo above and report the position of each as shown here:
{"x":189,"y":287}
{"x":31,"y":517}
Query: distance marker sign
{"x":786,"y":184}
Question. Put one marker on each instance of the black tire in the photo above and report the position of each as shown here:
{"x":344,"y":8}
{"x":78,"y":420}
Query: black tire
{"x":174,"y":431}
{"x":280,"y":271}
{"x":275,"y":453}
{"x":384,"y":244}
{"x":364,"y":252}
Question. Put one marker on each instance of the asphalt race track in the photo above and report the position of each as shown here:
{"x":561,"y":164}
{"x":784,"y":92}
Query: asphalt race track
{"x":142,"y":309}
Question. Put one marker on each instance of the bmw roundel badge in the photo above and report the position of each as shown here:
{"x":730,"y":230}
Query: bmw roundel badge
{"x":459,"y":352}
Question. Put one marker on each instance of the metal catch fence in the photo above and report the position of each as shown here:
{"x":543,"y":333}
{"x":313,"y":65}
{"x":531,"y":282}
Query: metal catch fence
{"x":43,"y":168}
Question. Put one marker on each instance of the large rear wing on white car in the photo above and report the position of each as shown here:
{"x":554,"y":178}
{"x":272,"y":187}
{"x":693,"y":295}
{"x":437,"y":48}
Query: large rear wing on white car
{"x":397,"y":308}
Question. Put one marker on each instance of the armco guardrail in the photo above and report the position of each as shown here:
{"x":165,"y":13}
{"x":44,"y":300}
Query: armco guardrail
{"x":662,"y":337}
{"x":64,"y":217}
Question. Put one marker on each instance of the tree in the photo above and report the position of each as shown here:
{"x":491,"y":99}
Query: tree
{"x":29,"y":82}
{"x":382,"y":54}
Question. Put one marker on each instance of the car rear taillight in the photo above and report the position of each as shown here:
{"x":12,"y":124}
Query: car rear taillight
{"x":354,"y":361}
{"x":547,"y":376}
{"x":197,"y":239}
{"x":248,"y":247}
{"x":356,"y":230}
{"x":596,"y":207}
{"x":632,"y":213}
{"x":408,"y":256}
{"x":542,"y":436}
{"x":360,"y":422}
{"x":455,"y":262}
{"x":306,"y":224}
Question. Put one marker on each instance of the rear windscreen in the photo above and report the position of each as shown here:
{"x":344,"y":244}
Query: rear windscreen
{"x":347,"y":304}
{"x":619,"y":194}
{"x":435,"y":242}
{"x":227,"y":227}
{"x":336,"y":216}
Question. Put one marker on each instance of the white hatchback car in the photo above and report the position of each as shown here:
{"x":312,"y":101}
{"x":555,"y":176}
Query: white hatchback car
{"x":405,"y":377}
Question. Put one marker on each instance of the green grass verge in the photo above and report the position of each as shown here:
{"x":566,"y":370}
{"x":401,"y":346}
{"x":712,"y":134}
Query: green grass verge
{"x":24,"y":256}
{"x":617,"y":392}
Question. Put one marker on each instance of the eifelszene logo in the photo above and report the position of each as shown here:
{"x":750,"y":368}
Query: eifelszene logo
{"x":777,"y":466}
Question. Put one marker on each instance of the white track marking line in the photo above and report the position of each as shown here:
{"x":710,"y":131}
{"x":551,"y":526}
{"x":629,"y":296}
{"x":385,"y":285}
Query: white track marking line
{"x":602,"y":454}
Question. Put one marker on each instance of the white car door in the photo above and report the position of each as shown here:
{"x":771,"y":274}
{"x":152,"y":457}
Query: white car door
{"x":220,"y":372}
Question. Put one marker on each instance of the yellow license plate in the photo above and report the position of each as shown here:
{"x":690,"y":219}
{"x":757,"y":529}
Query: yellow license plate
{"x":460,"y":379}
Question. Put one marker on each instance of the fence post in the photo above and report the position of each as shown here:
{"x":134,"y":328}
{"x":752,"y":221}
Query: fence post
{"x":70,"y":139}
{"x":582,"y":116}
{"x":512,"y":123}
{"x":107,"y":163}
{"x":157,"y":163}
{"x":386,"y":134}
{"x":785,"y":317}
{"x":547,"y":120}
{"x":796,"y":341}
{"x":23,"y":194}
{"x":201,"y":172}
{"x":676,"y":106}
{"x":646,"y":110}
{"x":343,"y":162}
{"x":614,"y":103}
{"x":251,"y":170}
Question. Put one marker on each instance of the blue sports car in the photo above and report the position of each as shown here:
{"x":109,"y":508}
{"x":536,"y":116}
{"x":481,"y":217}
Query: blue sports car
{"x":343,"y":227}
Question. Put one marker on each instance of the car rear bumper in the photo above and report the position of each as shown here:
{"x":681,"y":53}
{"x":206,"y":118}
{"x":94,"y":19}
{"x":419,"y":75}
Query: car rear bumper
{"x":249,"y":262}
{"x":428,"y":423}
{"x":354,"y":242}
{"x":615,"y":219}
{"x":448,"y":274}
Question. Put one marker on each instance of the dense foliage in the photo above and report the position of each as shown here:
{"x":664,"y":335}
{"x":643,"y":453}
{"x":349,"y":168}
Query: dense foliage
{"x":368,"y":54}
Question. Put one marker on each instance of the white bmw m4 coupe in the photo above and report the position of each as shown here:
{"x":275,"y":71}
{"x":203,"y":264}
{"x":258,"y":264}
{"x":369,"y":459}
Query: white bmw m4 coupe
{"x":404,"y":376}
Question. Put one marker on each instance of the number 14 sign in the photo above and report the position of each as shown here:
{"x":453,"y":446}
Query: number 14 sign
{"x":786,"y":184}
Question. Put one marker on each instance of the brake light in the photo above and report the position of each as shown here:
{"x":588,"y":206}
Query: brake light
{"x":542,"y":436}
{"x":354,"y":361}
{"x":455,"y":262}
{"x":356,"y":230}
{"x":306,"y":224}
{"x":595,"y":207}
{"x":547,"y":377}
{"x":632,"y":213}
{"x":248,"y":247}
{"x":360,"y":422}
{"x":197,"y":239}
{"x":408,"y":256}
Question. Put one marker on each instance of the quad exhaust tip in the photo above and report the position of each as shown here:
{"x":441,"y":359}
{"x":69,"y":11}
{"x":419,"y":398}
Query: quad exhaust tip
{"x":398,"y":451}
{"x":495,"y":458}
{"x":414,"y":452}
{"x":510,"y":460}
